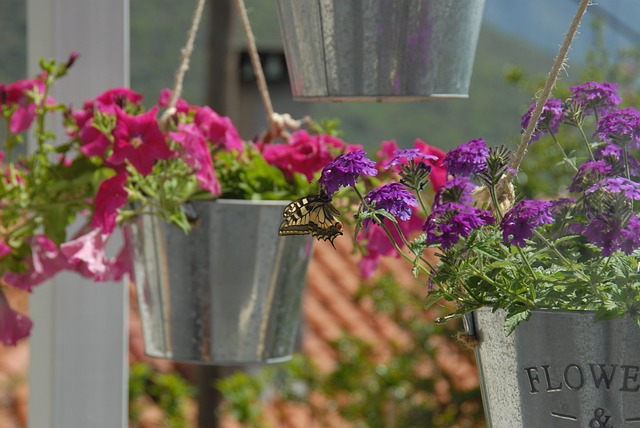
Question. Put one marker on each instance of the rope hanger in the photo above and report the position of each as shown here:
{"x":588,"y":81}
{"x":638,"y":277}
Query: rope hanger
{"x":278,"y":123}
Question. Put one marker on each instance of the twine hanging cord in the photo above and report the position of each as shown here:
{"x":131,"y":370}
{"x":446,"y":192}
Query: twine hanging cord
{"x":186,"y":52}
{"x":505,"y":184}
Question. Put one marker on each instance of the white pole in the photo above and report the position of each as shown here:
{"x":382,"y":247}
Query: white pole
{"x":79,"y":345}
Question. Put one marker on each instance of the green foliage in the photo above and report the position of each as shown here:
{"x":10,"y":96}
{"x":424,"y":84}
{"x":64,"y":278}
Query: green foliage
{"x":168,"y":390}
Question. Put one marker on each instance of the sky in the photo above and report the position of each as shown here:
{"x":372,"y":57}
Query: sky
{"x":544,"y":23}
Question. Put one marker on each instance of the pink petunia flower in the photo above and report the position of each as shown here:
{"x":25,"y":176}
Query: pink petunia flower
{"x":46,"y":261}
{"x":218,"y":129}
{"x":378,"y":244}
{"x":4,"y":249}
{"x":111,"y":195}
{"x":165,"y":96}
{"x":13,"y":325}
{"x":17,"y":94}
{"x":304,"y":153}
{"x":107,"y":101}
{"x":196,"y":154}
{"x":87,"y":256}
{"x":138,"y":139}
{"x":438,"y":174}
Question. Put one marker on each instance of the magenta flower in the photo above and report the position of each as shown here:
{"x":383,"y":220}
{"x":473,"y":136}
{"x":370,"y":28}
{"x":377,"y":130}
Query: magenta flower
{"x":386,"y":153}
{"x":550,"y":119}
{"x":13,"y":325}
{"x":107,"y":101}
{"x":303,"y":153}
{"x":620,"y":127}
{"x":345,"y":169}
{"x":593,"y":96}
{"x":438,"y":175}
{"x":86,"y":255}
{"x":218,"y":129}
{"x":393,"y":198}
{"x":195,"y":153}
{"x":138,"y":140}
{"x":165,"y":96}
{"x":93,"y":142}
{"x":468,"y":158}
{"x":519,"y":223}
{"x":449,"y":222}
{"x":45,"y":262}
{"x":17,"y":94}
{"x":4,"y":249}
{"x":111,"y":195}
{"x":377,"y":243}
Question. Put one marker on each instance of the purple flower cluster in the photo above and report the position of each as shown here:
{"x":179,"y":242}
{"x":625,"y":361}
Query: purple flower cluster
{"x":402,"y":156}
{"x":519,"y":223}
{"x":629,"y":188}
{"x":590,"y":173}
{"x":550,"y":119}
{"x":449,"y":222}
{"x":458,"y":189}
{"x":609,"y":234}
{"x":394,"y":198}
{"x":345,"y":169}
{"x":593,"y":96}
{"x":621,"y":127}
{"x":468,"y":158}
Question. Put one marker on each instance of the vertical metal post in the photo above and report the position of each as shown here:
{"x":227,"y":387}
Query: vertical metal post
{"x":79,"y":346}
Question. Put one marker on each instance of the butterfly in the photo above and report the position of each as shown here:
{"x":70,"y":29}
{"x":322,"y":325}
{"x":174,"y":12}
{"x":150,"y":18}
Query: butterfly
{"x":313,"y":215}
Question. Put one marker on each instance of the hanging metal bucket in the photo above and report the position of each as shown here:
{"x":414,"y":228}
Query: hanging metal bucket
{"x":382,"y":50}
{"x":227,"y":293}
{"x":559,"y":369}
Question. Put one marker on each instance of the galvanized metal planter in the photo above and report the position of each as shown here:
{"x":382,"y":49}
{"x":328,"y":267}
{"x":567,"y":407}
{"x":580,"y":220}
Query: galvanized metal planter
{"x":559,"y":369}
{"x":227,"y":293}
{"x":382,"y":50}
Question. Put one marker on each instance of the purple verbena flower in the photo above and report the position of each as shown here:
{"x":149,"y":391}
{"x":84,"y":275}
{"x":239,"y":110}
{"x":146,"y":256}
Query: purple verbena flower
{"x":621,"y":127}
{"x":550,"y":119}
{"x":468,"y":158}
{"x":629,"y":188}
{"x":612,"y":154}
{"x":402,"y":156}
{"x":345,"y":169}
{"x":590,"y":173}
{"x":519,"y":222}
{"x":630,"y":236}
{"x":458,"y":189}
{"x":593,"y":96}
{"x":394,"y":198}
{"x":449,"y":222}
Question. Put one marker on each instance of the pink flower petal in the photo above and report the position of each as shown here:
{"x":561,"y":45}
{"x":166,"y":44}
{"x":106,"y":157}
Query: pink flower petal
{"x":111,"y":196}
{"x":46,"y":261}
{"x":13,"y":325}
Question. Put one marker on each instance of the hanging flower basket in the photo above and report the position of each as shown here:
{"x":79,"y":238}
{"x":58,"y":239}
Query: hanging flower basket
{"x":379,"y":50}
{"x":560,"y":368}
{"x":227,"y":293}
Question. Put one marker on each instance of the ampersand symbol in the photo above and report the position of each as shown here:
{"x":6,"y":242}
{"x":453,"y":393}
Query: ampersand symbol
{"x":600,"y":420}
